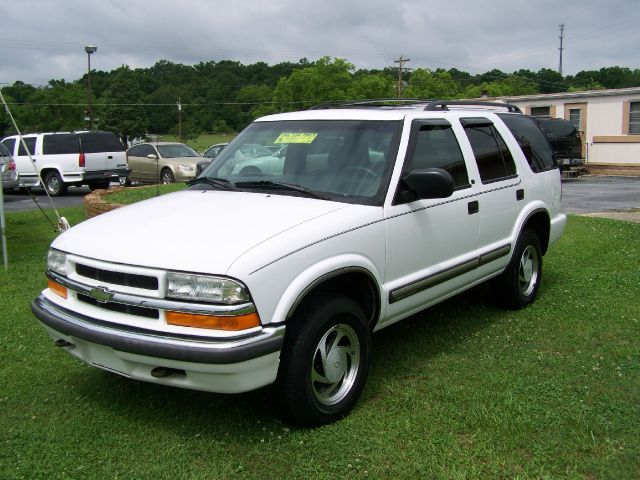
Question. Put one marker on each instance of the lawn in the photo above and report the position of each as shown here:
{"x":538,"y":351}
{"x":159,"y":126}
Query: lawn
{"x":464,"y":390}
{"x":204,"y":141}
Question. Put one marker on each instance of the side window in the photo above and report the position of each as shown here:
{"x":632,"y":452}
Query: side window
{"x":532,"y":141}
{"x":493,"y":157}
{"x":31,"y":145}
{"x":434,"y":145}
{"x":98,"y":142}
{"x":141,"y":150}
{"x":60,"y":143}
{"x":10,"y":143}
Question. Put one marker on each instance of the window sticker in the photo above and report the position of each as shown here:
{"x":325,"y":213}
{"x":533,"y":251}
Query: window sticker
{"x":298,"y":137}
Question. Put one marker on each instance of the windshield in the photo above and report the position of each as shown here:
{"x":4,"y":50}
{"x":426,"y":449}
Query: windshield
{"x":178,"y":150}
{"x":341,"y":160}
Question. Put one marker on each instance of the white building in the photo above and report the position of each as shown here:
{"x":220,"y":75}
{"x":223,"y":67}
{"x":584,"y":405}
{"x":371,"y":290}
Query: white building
{"x":608,"y":120}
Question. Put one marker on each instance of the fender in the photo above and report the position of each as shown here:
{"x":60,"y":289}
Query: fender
{"x":310,"y":278}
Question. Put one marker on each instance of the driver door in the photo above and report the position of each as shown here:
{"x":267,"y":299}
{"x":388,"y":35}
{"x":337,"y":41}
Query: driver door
{"x":431,"y":243}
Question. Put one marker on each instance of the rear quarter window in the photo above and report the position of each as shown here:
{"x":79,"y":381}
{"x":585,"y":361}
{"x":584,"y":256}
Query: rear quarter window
{"x":532,"y":141}
{"x":60,"y":143}
{"x":97,"y":142}
{"x":10,"y":143}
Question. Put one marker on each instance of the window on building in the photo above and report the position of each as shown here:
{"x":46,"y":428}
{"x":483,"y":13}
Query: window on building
{"x":575,"y":118}
{"x":544,"y":112}
{"x":634,"y":118}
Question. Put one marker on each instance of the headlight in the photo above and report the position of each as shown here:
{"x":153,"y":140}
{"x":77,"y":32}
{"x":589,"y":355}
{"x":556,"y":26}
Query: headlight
{"x":203,"y":288}
{"x":185,"y":168}
{"x":56,"y":262}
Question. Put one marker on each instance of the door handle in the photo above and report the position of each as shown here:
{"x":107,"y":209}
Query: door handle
{"x":473,"y":207}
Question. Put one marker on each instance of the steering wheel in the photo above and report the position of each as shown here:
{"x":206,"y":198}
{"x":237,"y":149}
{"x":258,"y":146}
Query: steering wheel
{"x":362,"y":171}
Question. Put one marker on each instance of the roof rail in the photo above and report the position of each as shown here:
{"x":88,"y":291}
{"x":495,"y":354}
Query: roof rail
{"x":444,"y":105}
{"x":377,"y":102}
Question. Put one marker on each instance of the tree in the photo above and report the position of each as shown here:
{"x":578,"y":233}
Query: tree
{"x":123,"y":109}
{"x":328,"y":80}
{"x":424,"y":83}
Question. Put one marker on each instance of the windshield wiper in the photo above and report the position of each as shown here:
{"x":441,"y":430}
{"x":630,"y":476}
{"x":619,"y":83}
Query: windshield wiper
{"x":268,"y":184}
{"x":214,"y":182}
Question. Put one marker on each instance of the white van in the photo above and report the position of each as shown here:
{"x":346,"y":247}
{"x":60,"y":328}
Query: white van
{"x":68,"y":159}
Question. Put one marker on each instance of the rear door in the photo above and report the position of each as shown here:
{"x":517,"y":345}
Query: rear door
{"x":60,"y":151}
{"x":501,"y":195}
{"x":137,"y":157}
{"x":103,"y":151}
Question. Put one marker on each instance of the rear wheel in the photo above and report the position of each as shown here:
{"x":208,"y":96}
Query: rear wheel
{"x":518,"y":286}
{"x":325,"y":359}
{"x":104,"y":184}
{"x":54,"y":184}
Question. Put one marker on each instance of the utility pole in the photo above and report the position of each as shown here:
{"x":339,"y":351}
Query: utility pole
{"x":401,"y":61}
{"x":179,"y":118}
{"x":561,"y":47}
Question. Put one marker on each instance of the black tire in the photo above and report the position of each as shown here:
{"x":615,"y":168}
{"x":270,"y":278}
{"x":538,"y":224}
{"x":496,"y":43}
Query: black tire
{"x":124,"y":181}
{"x":102,"y":184}
{"x":166,"y":176}
{"x":518,"y":285}
{"x":333,"y":324}
{"x":54,"y":184}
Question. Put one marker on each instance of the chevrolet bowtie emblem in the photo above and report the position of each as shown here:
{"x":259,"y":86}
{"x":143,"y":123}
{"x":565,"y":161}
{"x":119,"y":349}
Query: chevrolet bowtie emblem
{"x":101,"y":294}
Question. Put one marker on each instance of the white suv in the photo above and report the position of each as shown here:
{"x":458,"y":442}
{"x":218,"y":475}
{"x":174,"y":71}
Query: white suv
{"x":246,"y":278}
{"x":64,"y":159}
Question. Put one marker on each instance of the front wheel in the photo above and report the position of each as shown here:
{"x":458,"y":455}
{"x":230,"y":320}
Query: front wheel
{"x":518,"y":285}
{"x":166,"y":176}
{"x":325,"y":360}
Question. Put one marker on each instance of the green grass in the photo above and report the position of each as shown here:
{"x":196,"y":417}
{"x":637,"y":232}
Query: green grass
{"x":462,"y":391}
{"x":132,"y":195}
{"x":204,"y":141}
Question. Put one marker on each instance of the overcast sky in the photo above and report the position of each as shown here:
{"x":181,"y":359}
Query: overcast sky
{"x":42,"y":40}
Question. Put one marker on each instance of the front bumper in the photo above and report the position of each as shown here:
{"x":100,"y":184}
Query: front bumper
{"x":218,"y":365}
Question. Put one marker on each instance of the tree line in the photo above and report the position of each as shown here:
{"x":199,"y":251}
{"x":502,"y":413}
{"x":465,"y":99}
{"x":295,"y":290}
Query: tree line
{"x":225,"y":96}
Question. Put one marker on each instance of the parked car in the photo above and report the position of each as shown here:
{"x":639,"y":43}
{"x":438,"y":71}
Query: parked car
{"x":245,"y":278}
{"x":251,"y":158}
{"x":65,"y":159}
{"x":565,"y":141}
{"x":162,"y":162}
{"x":213,"y":151}
{"x":208,"y":155}
{"x":8,"y":169}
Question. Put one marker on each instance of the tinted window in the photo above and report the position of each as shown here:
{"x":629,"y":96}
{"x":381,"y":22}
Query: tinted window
{"x":436,"y":146}
{"x":31,"y":145}
{"x":532,"y":141}
{"x":96,"y":142}
{"x":10,"y":143}
{"x":178,"y":150}
{"x":141,"y":150}
{"x":60,"y":143}
{"x":492,"y":155}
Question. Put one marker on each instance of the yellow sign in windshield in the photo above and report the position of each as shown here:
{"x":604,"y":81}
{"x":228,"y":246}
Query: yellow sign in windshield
{"x":297,"y":137}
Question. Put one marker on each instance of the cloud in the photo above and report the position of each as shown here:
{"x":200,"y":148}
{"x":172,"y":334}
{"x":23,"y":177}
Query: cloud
{"x":43,"y":40}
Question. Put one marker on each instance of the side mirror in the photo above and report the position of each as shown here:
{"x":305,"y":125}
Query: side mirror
{"x":152,"y":156}
{"x":430,"y":183}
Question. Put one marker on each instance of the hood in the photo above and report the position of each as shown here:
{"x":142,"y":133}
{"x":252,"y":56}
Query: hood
{"x":196,"y":231}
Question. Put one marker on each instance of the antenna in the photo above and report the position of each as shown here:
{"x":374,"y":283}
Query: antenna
{"x":561,"y":47}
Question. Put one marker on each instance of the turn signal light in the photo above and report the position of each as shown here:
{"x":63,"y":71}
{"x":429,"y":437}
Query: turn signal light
{"x":233,"y":323}
{"x":57,"y":288}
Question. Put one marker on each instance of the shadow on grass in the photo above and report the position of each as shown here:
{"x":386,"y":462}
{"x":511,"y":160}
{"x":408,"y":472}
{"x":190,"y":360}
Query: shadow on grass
{"x":396,"y":349}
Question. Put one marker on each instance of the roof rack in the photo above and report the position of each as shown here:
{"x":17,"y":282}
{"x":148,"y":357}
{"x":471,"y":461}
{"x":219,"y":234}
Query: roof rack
{"x":444,"y":105}
{"x":378,"y":102}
